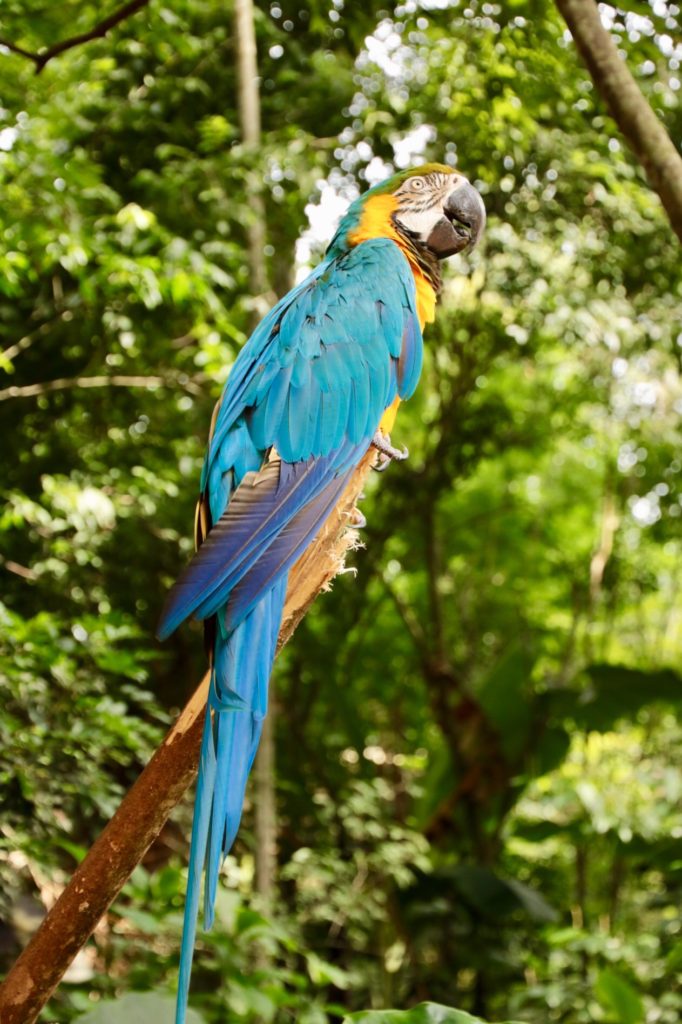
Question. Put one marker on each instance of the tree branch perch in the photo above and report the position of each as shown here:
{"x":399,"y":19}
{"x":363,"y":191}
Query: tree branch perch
{"x":146,"y":807}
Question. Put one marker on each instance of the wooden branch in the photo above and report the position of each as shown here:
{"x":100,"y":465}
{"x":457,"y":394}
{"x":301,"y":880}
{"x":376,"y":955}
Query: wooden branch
{"x":645,"y":134}
{"x":145,"y":809}
{"x":98,"y":32}
{"x":13,"y":48}
{"x":104,"y":381}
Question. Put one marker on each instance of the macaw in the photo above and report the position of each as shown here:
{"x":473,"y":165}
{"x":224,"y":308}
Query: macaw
{"x":316,"y":385}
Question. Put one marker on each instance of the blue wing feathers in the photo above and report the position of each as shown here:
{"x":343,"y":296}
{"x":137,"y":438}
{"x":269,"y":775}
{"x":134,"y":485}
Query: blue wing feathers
{"x":411,"y":357}
{"x":256,"y":515}
{"x":310,"y":338}
{"x":276,"y":402}
{"x":359,"y":407}
{"x":341,"y":293}
{"x":326,"y":422}
{"x":300,"y":377}
{"x":300,"y":407}
{"x":320,"y":371}
{"x":311,"y":420}
{"x":292,"y":433}
{"x":280,"y":556}
{"x":348,"y":392}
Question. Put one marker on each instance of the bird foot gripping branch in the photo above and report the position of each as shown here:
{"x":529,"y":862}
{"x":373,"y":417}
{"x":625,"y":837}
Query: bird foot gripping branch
{"x":382,"y":443}
{"x":317,"y":385}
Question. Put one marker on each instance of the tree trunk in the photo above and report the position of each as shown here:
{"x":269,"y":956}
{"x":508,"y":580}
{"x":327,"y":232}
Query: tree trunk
{"x":266,"y":811}
{"x":248,"y":105}
{"x":645,"y":134}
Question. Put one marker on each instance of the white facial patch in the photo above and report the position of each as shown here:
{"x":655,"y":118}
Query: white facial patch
{"x":420,"y":222}
{"x":421,"y":201}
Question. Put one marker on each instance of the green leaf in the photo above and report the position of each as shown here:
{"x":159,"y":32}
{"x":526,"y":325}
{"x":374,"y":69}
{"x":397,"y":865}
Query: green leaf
{"x":425,"y":1013}
{"x":550,"y":750}
{"x":137,"y":1008}
{"x":323,"y":973}
{"x":493,"y":896}
{"x":503,"y":698}
{"x":619,"y":692}
{"x":618,"y":998}
{"x":146,"y":922}
{"x":535,"y":905}
{"x":245,"y":1000}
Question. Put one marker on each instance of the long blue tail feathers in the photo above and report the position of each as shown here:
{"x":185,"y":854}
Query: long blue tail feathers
{"x":239,"y":576}
{"x":236,"y":708}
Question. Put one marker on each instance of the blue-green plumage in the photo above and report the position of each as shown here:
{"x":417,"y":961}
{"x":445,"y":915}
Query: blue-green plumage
{"x":303,"y":403}
{"x":300,"y":409}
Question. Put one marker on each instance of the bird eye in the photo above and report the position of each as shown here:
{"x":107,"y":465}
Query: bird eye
{"x":417,"y":183}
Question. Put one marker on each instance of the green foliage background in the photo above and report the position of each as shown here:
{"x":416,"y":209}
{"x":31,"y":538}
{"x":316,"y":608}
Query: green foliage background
{"x":478,"y":791}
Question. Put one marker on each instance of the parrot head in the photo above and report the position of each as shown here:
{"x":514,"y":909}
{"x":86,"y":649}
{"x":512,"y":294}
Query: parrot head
{"x":432,"y":211}
{"x":437,"y":208}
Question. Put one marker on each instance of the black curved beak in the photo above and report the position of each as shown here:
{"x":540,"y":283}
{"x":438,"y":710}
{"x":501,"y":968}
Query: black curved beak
{"x":462,"y":224}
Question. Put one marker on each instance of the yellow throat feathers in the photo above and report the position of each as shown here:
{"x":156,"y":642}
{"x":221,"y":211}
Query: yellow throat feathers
{"x":376,"y":222}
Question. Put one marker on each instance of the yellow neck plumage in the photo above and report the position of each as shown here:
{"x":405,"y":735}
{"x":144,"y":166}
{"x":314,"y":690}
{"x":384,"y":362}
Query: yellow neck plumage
{"x":377,"y":222}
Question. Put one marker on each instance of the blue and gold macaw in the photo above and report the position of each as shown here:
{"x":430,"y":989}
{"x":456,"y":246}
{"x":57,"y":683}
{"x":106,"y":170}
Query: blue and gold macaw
{"x":318,"y":382}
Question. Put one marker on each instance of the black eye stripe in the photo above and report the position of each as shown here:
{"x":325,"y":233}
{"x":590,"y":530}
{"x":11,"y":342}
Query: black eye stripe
{"x":421,"y":204}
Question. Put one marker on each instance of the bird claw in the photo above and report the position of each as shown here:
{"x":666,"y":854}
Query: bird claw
{"x":387,"y":452}
{"x":358,"y":521}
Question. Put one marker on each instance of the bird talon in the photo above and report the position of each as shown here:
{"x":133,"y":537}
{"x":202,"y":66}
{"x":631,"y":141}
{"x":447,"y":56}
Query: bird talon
{"x":382,"y":465}
{"x":358,"y":521}
{"x":383,"y":445}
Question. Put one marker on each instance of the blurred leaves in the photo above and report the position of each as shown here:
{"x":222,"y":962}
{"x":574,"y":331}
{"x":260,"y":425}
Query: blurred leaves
{"x":617,"y":691}
{"x":137,"y":1008}
{"x":426,"y":1013}
{"x":68,"y":747}
{"x":620,"y":1000}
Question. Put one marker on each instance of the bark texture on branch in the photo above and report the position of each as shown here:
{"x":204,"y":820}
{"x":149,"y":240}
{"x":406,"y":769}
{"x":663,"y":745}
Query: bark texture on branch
{"x":645,"y":134}
{"x":146,"y":807}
